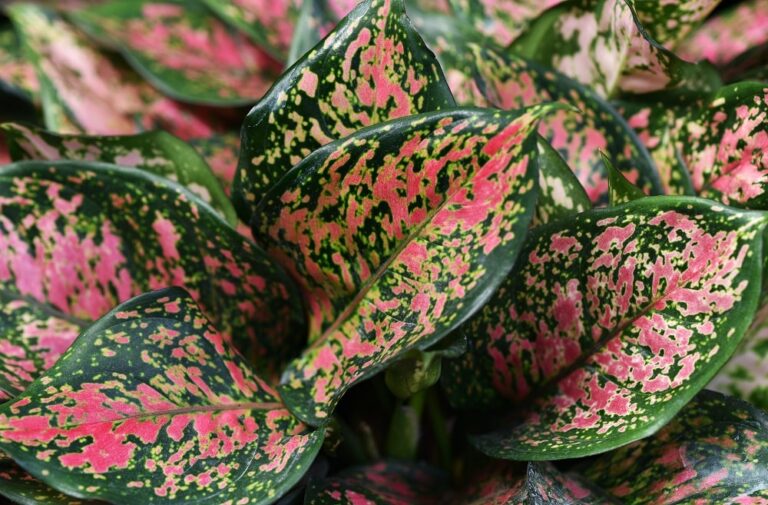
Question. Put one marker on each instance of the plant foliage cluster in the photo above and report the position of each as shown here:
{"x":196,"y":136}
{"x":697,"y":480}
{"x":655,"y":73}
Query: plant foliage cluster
{"x":486,"y":252}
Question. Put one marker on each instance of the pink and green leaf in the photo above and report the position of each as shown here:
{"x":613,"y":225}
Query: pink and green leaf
{"x":610,"y":323}
{"x":714,"y":451}
{"x":560,"y":193}
{"x":501,"y":20}
{"x":157,"y":152}
{"x":152,"y":405}
{"x":729,"y":33}
{"x":181,"y":49}
{"x":15,"y":71}
{"x":433,"y":210}
{"x":511,"y":82}
{"x":371,"y":68}
{"x":724,"y":145}
{"x":221,"y":152}
{"x":601,"y":44}
{"x":669,"y":22}
{"x":94,"y":235}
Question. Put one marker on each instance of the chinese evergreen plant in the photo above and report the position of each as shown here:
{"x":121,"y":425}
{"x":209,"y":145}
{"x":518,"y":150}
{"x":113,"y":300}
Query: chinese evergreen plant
{"x":484,"y":252}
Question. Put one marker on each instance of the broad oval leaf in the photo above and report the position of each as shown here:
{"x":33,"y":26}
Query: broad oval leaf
{"x":183,"y":50}
{"x":511,"y":82}
{"x":611,"y":321}
{"x":158,"y":152}
{"x":560,"y":194}
{"x":151,"y":405}
{"x":725,"y":146}
{"x":602,"y":44}
{"x":714,"y":451}
{"x":397,"y":234}
{"x":729,"y":33}
{"x":84,"y":90}
{"x":78,"y":238}
{"x":371,"y":68}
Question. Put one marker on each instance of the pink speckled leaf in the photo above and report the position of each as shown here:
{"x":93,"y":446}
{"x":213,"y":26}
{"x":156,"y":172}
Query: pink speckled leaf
{"x":729,"y":33}
{"x":78,"y":238}
{"x":397,"y":234}
{"x":371,"y":68}
{"x":183,"y":50}
{"x":84,"y":90}
{"x":724,"y":146}
{"x":152,"y":405}
{"x":611,"y":321}
{"x":601,"y":43}
{"x":157,"y":152}
{"x":714,"y":451}
{"x":221,"y":152}
{"x":668,"y":22}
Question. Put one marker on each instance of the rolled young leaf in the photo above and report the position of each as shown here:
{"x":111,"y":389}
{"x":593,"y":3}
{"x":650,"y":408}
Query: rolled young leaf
{"x":612,"y":321}
{"x":158,"y":152}
{"x":371,"y":68}
{"x":78,"y":238}
{"x":152,"y":405}
{"x":182,"y":49}
{"x":397,"y":234}
{"x":714,"y":451}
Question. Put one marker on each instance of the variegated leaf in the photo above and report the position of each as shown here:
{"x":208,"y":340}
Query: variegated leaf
{"x":498,"y":484}
{"x":501,"y":20}
{"x":620,"y":190}
{"x":15,"y":71}
{"x":397,"y":234}
{"x":611,"y":321}
{"x":152,"y":405}
{"x":371,"y":68}
{"x":78,"y":238}
{"x":221,"y":152}
{"x":183,"y":50}
{"x":510,"y":82}
{"x":601,"y":43}
{"x":560,"y":194}
{"x":714,"y":451}
{"x":725,"y":146}
{"x":84,"y":90}
{"x":157,"y":152}
{"x":669,"y":22}
{"x":20,"y":487}
{"x":729,"y":33}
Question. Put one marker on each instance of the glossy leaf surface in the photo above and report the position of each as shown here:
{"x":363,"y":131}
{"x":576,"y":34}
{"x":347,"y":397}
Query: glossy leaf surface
{"x":560,"y":194}
{"x":20,"y":487}
{"x":373,"y":67}
{"x":157,"y":152}
{"x":714,"y":451}
{"x":433,"y":211}
{"x":610,"y":323}
{"x":509,"y":82}
{"x":151,"y":405}
{"x":93,"y":235}
{"x":600,"y":43}
{"x":725,"y":146}
{"x":620,"y":190}
{"x":183,"y":50}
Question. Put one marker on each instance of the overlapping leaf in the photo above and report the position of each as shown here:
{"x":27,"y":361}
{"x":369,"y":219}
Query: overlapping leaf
{"x":86,"y":91}
{"x":157,"y":152}
{"x":601,"y":43}
{"x":620,"y":190}
{"x":613,"y":320}
{"x":669,"y":22}
{"x":20,"y":487}
{"x":510,"y":82}
{"x":725,"y":146}
{"x":501,"y":484}
{"x":397,"y":234}
{"x":560,"y":194}
{"x":500,"y":19}
{"x":371,"y":68}
{"x":221,"y":152}
{"x":714,"y":451}
{"x":183,"y":50}
{"x":729,"y":33}
{"x":79,"y":238}
{"x":151,"y":405}
{"x":15,"y":72}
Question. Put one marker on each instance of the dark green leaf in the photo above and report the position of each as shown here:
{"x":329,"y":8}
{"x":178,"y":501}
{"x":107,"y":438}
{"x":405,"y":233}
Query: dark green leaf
{"x":397,"y":233}
{"x":151,"y":405}
{"x":20,"y":487}
{"x":78,"y":238}
{"x":373,"y":67}
{"x":157,"y":152}
{"x":620,"y":190}
{"x":610,"y":323}
{"x":714,"y":451}
{"x":560,"y":193}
